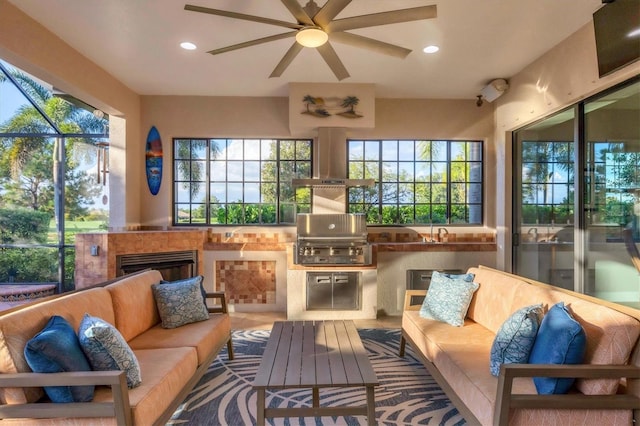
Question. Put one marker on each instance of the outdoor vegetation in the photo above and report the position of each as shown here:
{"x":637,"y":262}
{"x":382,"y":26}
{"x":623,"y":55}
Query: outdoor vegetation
{"x":45,"y":187}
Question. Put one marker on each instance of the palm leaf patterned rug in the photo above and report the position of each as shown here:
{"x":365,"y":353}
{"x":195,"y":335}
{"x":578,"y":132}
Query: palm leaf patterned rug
{"x":407,"y":394}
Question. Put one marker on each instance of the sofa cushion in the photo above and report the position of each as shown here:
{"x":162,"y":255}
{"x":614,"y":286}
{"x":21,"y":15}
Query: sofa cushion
{"x":56,"y":349}
{"x":560,"y":340}
{"x":447,"y":299}
{"x":515,"y":338}
{"x":180,"y":303}
{"x":205,"y":336}
{"x":132,"y":298}
{"x":106,"y":349}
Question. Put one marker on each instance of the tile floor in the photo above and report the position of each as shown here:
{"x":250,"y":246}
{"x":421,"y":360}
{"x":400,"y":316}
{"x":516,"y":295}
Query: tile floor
{"x":264,"y":321}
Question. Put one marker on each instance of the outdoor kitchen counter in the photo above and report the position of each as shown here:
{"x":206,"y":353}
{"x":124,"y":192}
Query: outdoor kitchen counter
{"x":377,"y":246}
{"x":246,"y":246}
{"x":431,"y":247}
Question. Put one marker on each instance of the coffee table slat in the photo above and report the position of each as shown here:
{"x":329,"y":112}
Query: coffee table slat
{"x":281,"y":360}
{"x":294,"y":367}
{"x":308,"y":376}
{"x":263,"y":375}
{"x":338,"y":375}
{"x":323,"y":369}
{"x":351,"y":367}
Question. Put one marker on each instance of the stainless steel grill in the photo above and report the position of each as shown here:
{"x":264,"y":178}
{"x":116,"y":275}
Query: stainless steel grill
{"x":332,"y":239}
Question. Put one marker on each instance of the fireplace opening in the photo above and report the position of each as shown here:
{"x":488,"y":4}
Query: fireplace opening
{"x":175,"y":265}
{"x":333,"y":291}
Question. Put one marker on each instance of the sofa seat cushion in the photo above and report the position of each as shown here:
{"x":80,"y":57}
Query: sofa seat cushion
{"x":461,"y":354}
{"x":17,"y":327}
{"x":204,"y":336}
{"x":166,"y":371}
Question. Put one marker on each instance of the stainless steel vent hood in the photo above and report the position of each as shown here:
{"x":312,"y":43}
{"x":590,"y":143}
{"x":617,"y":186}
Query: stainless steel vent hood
{"x":330,"y":167}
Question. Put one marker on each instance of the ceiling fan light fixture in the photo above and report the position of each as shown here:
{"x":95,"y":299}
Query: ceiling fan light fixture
{"x":311,"y":37}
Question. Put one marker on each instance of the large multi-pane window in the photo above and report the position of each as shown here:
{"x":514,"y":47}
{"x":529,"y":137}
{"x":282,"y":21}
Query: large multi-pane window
{"x":240,"y":181}
{"x":417,"y":182}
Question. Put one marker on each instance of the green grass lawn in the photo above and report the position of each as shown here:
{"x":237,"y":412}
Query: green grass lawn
{"x":75,"y":227}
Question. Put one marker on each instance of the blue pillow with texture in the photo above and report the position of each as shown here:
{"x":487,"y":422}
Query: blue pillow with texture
{"x":448,"y":299}
{"x":465,"y":277}
{"x":107,"y":350}
{"x":56,"y":349}
{"x":515,"y":338}
{"x":198,"y":279}
{"x":180,"y":303}
{"x":560,"y":340}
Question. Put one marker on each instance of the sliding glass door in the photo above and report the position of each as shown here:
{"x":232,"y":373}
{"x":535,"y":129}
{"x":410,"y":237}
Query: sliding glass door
{"x":611,"y":195}
{"x":577,"y":197}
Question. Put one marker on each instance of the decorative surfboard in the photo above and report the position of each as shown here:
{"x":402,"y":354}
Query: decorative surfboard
{"x":153,"y":160}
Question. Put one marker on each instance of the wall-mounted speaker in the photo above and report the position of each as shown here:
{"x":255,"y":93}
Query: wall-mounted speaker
{"x":494,"y":90}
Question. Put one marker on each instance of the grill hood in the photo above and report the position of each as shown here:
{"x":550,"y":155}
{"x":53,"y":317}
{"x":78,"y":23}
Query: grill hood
{"x":330,"y":167}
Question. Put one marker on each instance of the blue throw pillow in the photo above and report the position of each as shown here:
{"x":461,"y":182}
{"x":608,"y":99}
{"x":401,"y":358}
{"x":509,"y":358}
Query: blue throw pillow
{"x":180,"y":303}
{"x":561,"y":340}
{"x":448,"y":299}
{"x":56,"y":349}
{"x":197,"y":279}
{"x":107,"y":350}
{"x":515,"y":338}
{"x":465,"y":277}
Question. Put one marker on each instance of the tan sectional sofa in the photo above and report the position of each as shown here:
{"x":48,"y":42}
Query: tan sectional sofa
{"x":171,"y":360}
{"x":458,"y":358}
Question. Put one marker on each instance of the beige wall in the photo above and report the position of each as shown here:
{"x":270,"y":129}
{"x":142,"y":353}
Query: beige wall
{"x":565,"y":75}
{"x":193,"y":116}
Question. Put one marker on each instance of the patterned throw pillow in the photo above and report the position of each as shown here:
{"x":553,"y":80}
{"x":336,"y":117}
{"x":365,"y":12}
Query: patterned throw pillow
{"x":107,"y":350}
{"x":515,"y":338}
{"x":561,"y":340}
{"x":180,"y":303}
{"x":448,"y":299}
{"x":56,"y":349}
{"x":198,"y":279}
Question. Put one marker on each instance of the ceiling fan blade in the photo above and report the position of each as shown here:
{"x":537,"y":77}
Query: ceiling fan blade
{"x":331,"y":58}
{"x":286,"y":59}
{"x":252,"y":43}
{"x":370,"y":44}
{"x":298,"y":12}
{"x":329,"y":11}
{"x":383,"y":18}
{"x":235,"y":15}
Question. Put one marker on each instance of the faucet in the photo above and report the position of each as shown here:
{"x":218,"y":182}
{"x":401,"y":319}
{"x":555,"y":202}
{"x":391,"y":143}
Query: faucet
{"x":442,"y":231}
{"x":533,"y":231}
{"x":430,"y":240}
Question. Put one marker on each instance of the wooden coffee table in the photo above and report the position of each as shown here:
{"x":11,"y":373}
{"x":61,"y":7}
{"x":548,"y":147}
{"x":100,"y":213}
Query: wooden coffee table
{"x":315,"y":354}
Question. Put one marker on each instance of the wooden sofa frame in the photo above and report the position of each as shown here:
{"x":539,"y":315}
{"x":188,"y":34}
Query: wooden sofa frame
{"x":505,"y":400}
{"x":116,"y":380}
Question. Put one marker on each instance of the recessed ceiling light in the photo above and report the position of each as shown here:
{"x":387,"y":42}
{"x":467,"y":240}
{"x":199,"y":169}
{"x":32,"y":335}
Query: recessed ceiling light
{"x":431,"y":49}
{"x":188,"y":45}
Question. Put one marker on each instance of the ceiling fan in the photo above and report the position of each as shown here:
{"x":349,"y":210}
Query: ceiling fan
{"x":319,"y":25}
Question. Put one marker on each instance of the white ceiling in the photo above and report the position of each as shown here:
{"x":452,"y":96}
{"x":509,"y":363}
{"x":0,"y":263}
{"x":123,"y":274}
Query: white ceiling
{"x":137,"y":42}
